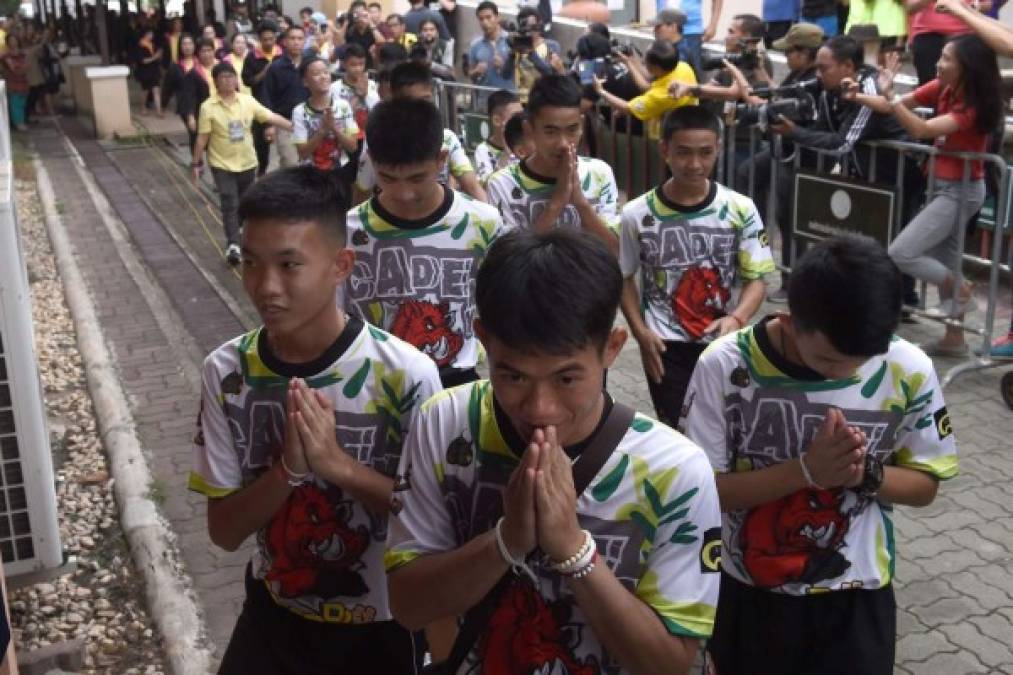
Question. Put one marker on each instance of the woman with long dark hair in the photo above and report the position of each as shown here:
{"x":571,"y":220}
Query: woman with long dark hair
{"x":969,"y":108}
{"x":148,"y":68}
{"x":172,"y":84}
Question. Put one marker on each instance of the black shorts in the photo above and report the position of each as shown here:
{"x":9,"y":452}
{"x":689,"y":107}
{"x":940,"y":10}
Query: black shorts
{"x":270,"y":640}
{"x":678,"y":360}
{"x":757,"y":632}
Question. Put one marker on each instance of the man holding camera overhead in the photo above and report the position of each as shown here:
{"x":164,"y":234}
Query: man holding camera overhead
{"x":531,"y":55}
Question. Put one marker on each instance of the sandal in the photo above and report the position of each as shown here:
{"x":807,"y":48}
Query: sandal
{"x":937,"y":348}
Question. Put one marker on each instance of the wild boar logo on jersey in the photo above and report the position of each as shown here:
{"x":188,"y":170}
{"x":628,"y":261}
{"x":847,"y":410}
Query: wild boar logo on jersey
{"x":527,"y":635}
{"x":797,"y":539}
{"x":699,"y":299}
{"x":313,"y":548}
{"x":426,"y":325}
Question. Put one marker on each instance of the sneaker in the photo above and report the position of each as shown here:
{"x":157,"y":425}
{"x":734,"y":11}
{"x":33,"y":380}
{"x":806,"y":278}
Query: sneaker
{"x":1003,"y":347}
{"x":780,"y":296}
{"x":233,"y":255}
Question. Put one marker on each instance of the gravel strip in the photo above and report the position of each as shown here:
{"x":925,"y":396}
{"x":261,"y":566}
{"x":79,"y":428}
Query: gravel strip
{"x":103,"y":601}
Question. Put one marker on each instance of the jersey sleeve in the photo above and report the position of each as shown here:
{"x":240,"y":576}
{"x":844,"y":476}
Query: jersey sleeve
{"x":608,"y":199}
{"x":216,"y":471}
{"x":681,"y":579}
{"x":629,"y":241}
{"x":703,"y":413}
{"x":754,"y":256}
{"x":420,"y":523}
{"x":457,"y":158}
{"x":498,"y":190}
{"x":484,"y":165}
{"x":345,"y":118}
{"x":300,"y":133}
{"x":365,"y":179}
{"x":925,"y":441}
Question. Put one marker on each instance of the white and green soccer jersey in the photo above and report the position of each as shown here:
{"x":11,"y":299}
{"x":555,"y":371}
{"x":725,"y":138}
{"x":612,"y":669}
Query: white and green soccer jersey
{"x":521,"y":195}
{"x":321,"y":555}
{"x":689,"y":258}
{"x":489,"y":159}
{"x":457,"y":163}
{"x":750,"y":409}
{"x":652,"y":509}
{"x":416,"y":279}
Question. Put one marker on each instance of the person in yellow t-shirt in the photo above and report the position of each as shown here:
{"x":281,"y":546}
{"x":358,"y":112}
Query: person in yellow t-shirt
{"x":224,"y":129}
{"x":664,"y":68}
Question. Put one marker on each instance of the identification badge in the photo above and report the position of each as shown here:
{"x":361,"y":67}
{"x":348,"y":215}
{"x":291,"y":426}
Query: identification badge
{"x":236,"y":131}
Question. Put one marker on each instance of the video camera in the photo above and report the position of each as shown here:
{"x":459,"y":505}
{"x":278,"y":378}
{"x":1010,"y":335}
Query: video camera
{"x":795,"y":102}
{"x":747,"y":59}
{"x":626,"y":47}
{"x":519,"y":38}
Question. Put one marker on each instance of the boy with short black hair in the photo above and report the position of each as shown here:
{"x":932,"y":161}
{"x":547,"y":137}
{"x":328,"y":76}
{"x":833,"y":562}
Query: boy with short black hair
{"x":817,"y":422}
{"x":515,"y":140}
{"x":554,"y":187}
{"x":618,"y":578}
{"x":300,"y":431}
{"x":418,"y":243}
{"x":692,"y":240}
{"x":412,"y":80}
{"x":491,"y":154}
{"x":324,"y":129}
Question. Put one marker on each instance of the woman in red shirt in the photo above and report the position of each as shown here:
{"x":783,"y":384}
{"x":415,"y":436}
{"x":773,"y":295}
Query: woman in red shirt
{"x":968,"y":104}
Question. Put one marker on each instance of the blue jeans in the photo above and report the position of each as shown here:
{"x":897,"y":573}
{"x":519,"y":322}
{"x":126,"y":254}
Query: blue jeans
{"x":694,"y":44}
{"x":828,"y":23}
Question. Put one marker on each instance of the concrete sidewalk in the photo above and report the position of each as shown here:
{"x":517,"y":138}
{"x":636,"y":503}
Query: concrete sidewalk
{"x":164,"y":298}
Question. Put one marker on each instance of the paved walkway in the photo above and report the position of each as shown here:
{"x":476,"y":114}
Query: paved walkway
{"x":164,"y":298}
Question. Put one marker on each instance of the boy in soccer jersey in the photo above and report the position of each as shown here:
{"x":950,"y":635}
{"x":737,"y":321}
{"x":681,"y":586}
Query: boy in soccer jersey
{"x":554,"y":187}
{"x":300,"y":431}
{"x":492,"y":154}
{"x":817,"y":422}
{"x":518,"y":145}
{"x":418,"y":243}
{"x":691,"y":239}
{"x":324,"y":129}
{"x":488,"y":486}
{"x":412,"y":80}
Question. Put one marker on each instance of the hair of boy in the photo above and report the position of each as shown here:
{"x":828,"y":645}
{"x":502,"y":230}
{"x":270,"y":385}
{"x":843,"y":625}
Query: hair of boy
{"x":662,"y":54}
{"x":397,"y":18}
{"x":375,"y":4}
{"x":693,"y":117}
{"x":848,"y":288}
{"x":553,"y":91}
{"x":267,"y":26}
{"x":487,"y":4}
{"x":409,"y":74}
{"x":222,"y":67}
{"x":353,"y":50}
{"x":500,"y":99}
{"x":550,"y":293}
{"x":404,"y":131}
{"x":205,"y":43}
{"x":298,"y":194}
{"x":382,"y":76}
{"x":304,"y":67}
{"x":844,"y":48}
{"x":291,"y":29}
{"x":513,"y":131}
{"x":390,"y":54}
{"x":752,"y":25}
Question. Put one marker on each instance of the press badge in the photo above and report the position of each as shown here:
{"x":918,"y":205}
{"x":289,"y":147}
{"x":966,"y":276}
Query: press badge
{"x":236,"y":131}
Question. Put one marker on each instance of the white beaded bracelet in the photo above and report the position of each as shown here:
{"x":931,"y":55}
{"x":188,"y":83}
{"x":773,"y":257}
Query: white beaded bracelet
{"x":578,"y":560}
{"x":582,"y":572}
{"x":808,"y":476}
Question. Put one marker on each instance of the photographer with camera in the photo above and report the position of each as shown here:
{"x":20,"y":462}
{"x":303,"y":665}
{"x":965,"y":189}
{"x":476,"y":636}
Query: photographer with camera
{"x":800,"y":46}
{"x":663,"y":67}
{"x":434,"y":51}
{"x":489,"y":52}
{"x":531,"y":55}
{"x":841,"y":124}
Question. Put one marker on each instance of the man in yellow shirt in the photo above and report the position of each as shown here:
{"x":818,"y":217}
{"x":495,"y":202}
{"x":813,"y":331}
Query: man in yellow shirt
{"x":224,"y":129}
{"x":664,"y":68}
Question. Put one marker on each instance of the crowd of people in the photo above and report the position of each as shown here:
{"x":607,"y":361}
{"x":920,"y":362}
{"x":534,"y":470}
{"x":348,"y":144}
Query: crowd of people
{"x":30,"y":54}
{"x":408,"y":512}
